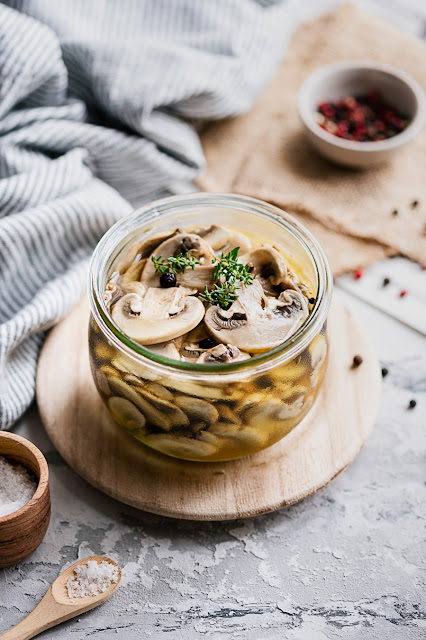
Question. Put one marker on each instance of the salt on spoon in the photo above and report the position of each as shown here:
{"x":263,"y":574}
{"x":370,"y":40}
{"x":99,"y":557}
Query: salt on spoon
{"x":17,"y":487}
{"x":76,"y":590}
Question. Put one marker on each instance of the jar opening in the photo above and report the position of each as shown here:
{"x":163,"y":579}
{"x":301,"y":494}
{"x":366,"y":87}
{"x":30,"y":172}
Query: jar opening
{"x":174,"y":211}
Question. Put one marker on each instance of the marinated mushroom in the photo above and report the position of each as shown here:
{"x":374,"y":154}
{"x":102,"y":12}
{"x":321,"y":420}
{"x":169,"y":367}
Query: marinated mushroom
{"x":133,"y":273}
{"x":161,"y":315}
{"x":181,"y":244}
{"x":224,"y":298}
{"x":222,"y":353}
{"x":181,"y":446}
{"x":223,"y":239}
{"x":255,"y":322}
{"x":166,"y":349}
{"x":268,"y":266}
{"x":254,"y":301}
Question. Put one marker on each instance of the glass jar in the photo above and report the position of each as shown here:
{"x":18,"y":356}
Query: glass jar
{"x":210,"y":412}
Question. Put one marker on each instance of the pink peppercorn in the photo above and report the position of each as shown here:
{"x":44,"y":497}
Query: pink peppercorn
{"x":403,"y":293}
{"x":358,"y":273}
{"x":365,"y":118}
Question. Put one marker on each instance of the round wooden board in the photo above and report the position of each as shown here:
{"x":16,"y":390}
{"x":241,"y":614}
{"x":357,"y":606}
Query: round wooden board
{"x":315,"y":452}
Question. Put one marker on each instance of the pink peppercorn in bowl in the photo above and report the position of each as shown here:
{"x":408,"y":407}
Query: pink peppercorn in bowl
{"x":345,"y":92}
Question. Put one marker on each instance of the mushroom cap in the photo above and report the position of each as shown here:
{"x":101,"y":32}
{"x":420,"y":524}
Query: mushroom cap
{"x":182,"y":243}
{"x":224,"y":239}
{"x":160,"y":316}
{"x":138,"y":250}
{"x":133,"y":273}
{"x":269,"y":268}
{"x":222,"y":353}
{"x":166,"y":349}
{"x":255,"y":322}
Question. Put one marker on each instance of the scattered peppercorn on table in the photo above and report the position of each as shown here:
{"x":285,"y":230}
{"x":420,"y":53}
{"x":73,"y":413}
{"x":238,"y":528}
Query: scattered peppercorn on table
{"x":223,"y":578}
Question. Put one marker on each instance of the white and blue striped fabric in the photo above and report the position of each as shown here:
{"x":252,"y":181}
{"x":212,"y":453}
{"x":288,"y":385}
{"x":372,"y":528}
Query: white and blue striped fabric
{"x":99,"y":104}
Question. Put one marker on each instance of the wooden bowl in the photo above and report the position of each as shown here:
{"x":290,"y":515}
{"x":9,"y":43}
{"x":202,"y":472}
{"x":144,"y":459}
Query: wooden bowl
{"x":22,"y":531}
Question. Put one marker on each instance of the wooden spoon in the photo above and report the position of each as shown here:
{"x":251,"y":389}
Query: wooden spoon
{"x":56,"y":606}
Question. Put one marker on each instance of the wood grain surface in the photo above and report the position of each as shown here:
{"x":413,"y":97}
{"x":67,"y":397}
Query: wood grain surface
{"x":315,"y":452}
{"x":22,"y":531}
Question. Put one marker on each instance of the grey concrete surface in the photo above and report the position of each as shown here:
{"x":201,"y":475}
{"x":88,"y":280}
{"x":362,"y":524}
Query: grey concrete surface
{"x":348,"y":562}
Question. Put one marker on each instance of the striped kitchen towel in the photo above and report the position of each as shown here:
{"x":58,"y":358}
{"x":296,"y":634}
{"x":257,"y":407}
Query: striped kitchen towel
{"x":99,"y":103}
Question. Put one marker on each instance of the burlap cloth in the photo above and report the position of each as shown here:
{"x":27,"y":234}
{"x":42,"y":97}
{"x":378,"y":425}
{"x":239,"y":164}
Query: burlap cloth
{"x":264,"y":153}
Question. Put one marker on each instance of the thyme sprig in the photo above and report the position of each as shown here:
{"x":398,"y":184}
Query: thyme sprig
{"x":230,"y":274}
{"x":174,"y":264}
{"x":221,"y":295}
{"x":232,"y":270}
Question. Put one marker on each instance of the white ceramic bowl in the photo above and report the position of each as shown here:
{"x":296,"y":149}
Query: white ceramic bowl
{"x":336,"y":81}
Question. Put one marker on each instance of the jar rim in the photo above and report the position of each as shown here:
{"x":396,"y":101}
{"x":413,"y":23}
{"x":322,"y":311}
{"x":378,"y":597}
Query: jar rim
{"x":259,"y":363}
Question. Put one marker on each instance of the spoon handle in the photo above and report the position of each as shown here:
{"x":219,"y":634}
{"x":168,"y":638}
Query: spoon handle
{"x":46,"y":614}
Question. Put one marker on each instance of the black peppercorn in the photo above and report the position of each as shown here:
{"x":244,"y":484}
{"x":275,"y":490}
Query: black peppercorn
{"x":395,"y":212}
{"x":385,"y":372}
{"x":356,"y":362}
{"x":207,"y":343}
{"x":386,"y":281}
{"x":412,"y":404}
{"x":168,"y":279}
{"x":414,"y":204}
{"x":311,"y":300}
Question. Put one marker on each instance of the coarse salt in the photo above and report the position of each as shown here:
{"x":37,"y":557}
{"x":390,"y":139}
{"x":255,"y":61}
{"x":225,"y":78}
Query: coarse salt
{"x":17,"y":487}
{"x":91,"y":579}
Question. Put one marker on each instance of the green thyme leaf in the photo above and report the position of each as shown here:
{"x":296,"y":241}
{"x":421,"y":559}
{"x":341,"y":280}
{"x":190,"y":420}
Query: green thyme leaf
{"x":230,"y":269}
{"x":160,"y":265}
{"x":229,"y":274}
{"x":221,"y":295}
{"x":174,"y":264}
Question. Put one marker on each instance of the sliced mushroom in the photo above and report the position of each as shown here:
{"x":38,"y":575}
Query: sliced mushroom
{"x":166,"y":349}
{"x":207,"y":436}
{"x":133,"y":273}
{"x":128,"y":365}
{"x":128,"y":258}
{"x":292,"y":391}
{"x":200,"y":347}
{"x":226,"y":414}
{"x":150,"y":244}
{"x":134,"y":287}
{"x":224,"y":239}
{"x":101,"y":381}
{"x":247,"y":437}
{"x":161,"y":315}
{"x":152,"y":415}
{"x":191,"y":351}
{"x":198,"y":409}
{"x":222,"y":353}
{"x":268,"y":266}
{"x":318,"y":351}
{"x":290,"y":410}
{"x":250,"y":400}
{"x":277,"y":417}
{"x":140,"y":250}
{"x":182,"y":243}
{"x":109,"y":372}
{"x":255,"y":323}
{"x":159,"y":390}
{"x":175,"y":416}
{"x":181,"y":446}
{"x":126,"y":414}
{"x":199,"y":278}
{"x":103,"y":351}
{"x":289,"y":372}
{"x":194,"y":389}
